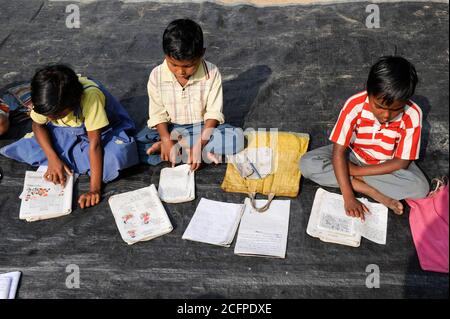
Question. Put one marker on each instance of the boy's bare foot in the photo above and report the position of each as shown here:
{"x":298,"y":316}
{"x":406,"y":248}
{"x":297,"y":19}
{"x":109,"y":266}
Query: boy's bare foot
{"x":361,"y":187}
{"x":396,"y":206}
{"x":156,"y":147}
{"x":213,"y":157}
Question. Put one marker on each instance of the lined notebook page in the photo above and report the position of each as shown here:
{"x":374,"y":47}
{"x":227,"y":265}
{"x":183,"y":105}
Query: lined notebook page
{"x":214,"y":222}
{"x":264,"y":234}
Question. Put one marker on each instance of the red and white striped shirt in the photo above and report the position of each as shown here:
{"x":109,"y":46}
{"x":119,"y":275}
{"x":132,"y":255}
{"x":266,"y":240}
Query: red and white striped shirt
{"x":372,"y":142}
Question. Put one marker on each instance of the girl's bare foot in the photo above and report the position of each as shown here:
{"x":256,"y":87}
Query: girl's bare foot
{"x":154,"y":148}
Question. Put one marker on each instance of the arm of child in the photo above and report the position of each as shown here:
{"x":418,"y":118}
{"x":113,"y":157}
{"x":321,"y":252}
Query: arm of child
{"x":212,"y":118}
{"x":57,"y":169}
{"x":93,"y":197}
{"x":168,"y":151}
{"x":353,"y":207}
{"x":195,"y":153}
{"x":378,"y":169}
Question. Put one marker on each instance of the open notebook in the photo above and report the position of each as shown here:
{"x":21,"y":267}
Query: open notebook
{"x":42,"y":199}
{"x":214,"y":222}
{"x":264,"y":234}
{"x":176,"y":184}
{"x":8,"y":284}
{"x":329,"y":222}
{"x":140,"y":215}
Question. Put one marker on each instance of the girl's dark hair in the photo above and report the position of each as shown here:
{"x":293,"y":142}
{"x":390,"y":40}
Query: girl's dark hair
{"x":54,"y":89}
{"x":392,"y":78}
{"x":183,"y":40}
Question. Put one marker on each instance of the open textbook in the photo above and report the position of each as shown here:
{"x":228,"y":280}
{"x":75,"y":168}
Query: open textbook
{"x":329,"y":222}
{"x":8,"y":284}
{"x":140,"y":215}
{"x":176,"y":184}
{"x":214,"y":222}
{"x":42,"y":199}
{"x":264,"y":234}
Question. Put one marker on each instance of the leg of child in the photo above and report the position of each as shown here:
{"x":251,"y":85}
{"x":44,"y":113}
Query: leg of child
{"x":401,"y":184}
{"x":317,"y":166}
{"x":225,"y":140}
{"x":148,"y":143}
{"x":360,"y":186}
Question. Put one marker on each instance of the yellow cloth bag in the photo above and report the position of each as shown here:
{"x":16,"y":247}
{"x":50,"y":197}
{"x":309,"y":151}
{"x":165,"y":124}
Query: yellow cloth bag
{"x":284,"y":180}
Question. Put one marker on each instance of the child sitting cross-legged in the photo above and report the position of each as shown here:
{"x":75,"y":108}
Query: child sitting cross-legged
{"x":376,"y":140}
{"x":185,"y":104}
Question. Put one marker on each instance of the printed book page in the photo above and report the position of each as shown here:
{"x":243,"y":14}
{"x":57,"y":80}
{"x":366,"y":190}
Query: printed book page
{"x":43,"y":169}
{"x":323,"y":234}
{"x":177,"y":184}
{"x":5,"y":285}
{"x":140,"y":215}
{"x":264,"y":234}
{"x":214,"y":222}
{"x":374,"y":227}
{"x":13,"y":279}
{"x":333,"y":217}
{"x":42,"y":199}
{"x":329,"y":222}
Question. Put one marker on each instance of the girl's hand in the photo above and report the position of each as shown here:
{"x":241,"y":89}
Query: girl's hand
{"x":89,"y":199}
{"x":56,"y":172}
{"x":355,"y":208}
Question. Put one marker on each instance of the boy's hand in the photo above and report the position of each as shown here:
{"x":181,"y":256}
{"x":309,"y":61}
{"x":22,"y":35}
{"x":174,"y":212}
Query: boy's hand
{"x":355,"y":208}
{"x":89,"y":199}
{"x":56,"y":172}
{"x":4,"y":124}
{"x":195,"y":155}
{"x":169,"y":151}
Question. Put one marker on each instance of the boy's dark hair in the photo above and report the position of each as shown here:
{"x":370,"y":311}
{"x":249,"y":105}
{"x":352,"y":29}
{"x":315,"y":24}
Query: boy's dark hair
{"x":392,"y":78}
{"x":54,"y":89}
{"x":183,"y":40}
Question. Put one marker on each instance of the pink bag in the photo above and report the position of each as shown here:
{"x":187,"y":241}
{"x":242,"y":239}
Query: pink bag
{"x":428,"y":220}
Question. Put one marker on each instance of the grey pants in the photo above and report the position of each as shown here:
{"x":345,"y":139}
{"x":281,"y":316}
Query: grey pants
{"x":317,"y":166}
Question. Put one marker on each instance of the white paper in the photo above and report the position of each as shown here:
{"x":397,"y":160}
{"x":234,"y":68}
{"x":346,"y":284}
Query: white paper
{"x":177,"y":184}
{"x":264,"y":234}
{"x":329,"y":222}
{"x":5,"y":284}
{"x":374,"y":227}
{"x":42,"y":199}
{"x":13,"y":278}
{"x":253,"y":163}
{"x":333,"y":217}
{"x":214,"y":222}
{"x":261,"y":157}
{"x":140,"y":215}
{"x":43,"y":169}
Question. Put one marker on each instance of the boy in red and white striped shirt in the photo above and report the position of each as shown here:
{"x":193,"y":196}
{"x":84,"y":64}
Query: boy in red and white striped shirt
{"x":381,"y":128}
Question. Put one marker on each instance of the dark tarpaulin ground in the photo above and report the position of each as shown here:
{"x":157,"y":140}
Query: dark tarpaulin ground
{"x":288,"y":67}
